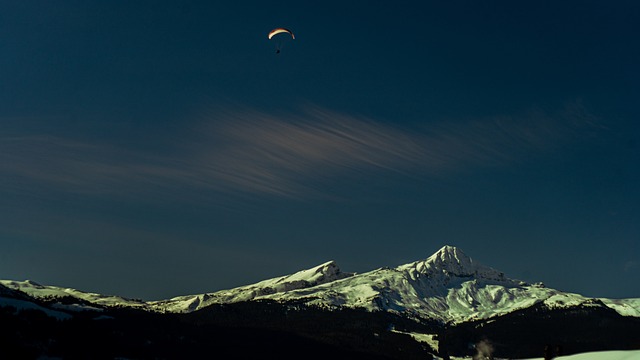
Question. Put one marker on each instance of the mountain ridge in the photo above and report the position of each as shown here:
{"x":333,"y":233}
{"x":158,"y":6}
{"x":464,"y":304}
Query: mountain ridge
{"x":436,"y":306}
{"x":449,"y":287}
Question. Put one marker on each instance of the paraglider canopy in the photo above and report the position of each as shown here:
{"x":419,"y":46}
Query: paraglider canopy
{"x":279,"y":42}
{"x":277,"y":31}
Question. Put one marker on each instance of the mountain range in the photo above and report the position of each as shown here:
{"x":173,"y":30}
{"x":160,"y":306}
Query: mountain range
{"x":445,"y":304}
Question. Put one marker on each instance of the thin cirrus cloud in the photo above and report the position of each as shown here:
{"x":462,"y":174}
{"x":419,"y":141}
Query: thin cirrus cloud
{"x":261,"y":153}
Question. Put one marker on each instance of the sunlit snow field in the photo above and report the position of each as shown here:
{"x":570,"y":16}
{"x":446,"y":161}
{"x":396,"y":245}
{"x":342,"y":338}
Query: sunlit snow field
{"x":600,"y":355}
{"x":603,"y":355}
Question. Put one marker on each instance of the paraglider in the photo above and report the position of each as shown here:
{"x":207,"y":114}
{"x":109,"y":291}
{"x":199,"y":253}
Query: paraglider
{"x":277,"y":31}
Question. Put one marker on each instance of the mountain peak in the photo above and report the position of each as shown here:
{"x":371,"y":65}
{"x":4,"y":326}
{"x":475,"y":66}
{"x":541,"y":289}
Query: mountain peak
{"x":450,"y":253}
{"x":451,"y":261}
{"x":320,"y":274}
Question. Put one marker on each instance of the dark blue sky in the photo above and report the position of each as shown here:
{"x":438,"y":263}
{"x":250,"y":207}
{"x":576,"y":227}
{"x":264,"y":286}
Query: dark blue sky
{"x":154,"y":149}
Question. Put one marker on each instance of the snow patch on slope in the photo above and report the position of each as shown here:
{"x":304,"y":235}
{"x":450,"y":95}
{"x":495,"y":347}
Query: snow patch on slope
{"x":602,"y":355}
{"x":625,"y":307}
{"x":39,"y":291}
{"x":21,"y":305}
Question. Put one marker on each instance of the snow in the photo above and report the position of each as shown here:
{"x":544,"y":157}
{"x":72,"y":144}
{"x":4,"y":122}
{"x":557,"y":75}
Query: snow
{"x":325,"y":273}
{"x":625,"y":307}
{"x":448,"y":287}
{"x":598,"y":355}
{"x":76,"y":307}
{"x":39,"y":291}
{"x":605,"y":355}
{"x":21,"y":305}
{"x":429,"y":339}
{"x":601,"y":355}
{"x":450,"y":261}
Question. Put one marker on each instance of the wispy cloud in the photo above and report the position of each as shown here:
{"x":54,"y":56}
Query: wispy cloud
{"x":57,"y":163}
{"x":257,"y":152}
{"x":263,"y":153}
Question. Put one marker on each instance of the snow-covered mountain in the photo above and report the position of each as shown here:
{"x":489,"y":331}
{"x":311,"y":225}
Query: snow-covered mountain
{"x":448,"y":287}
